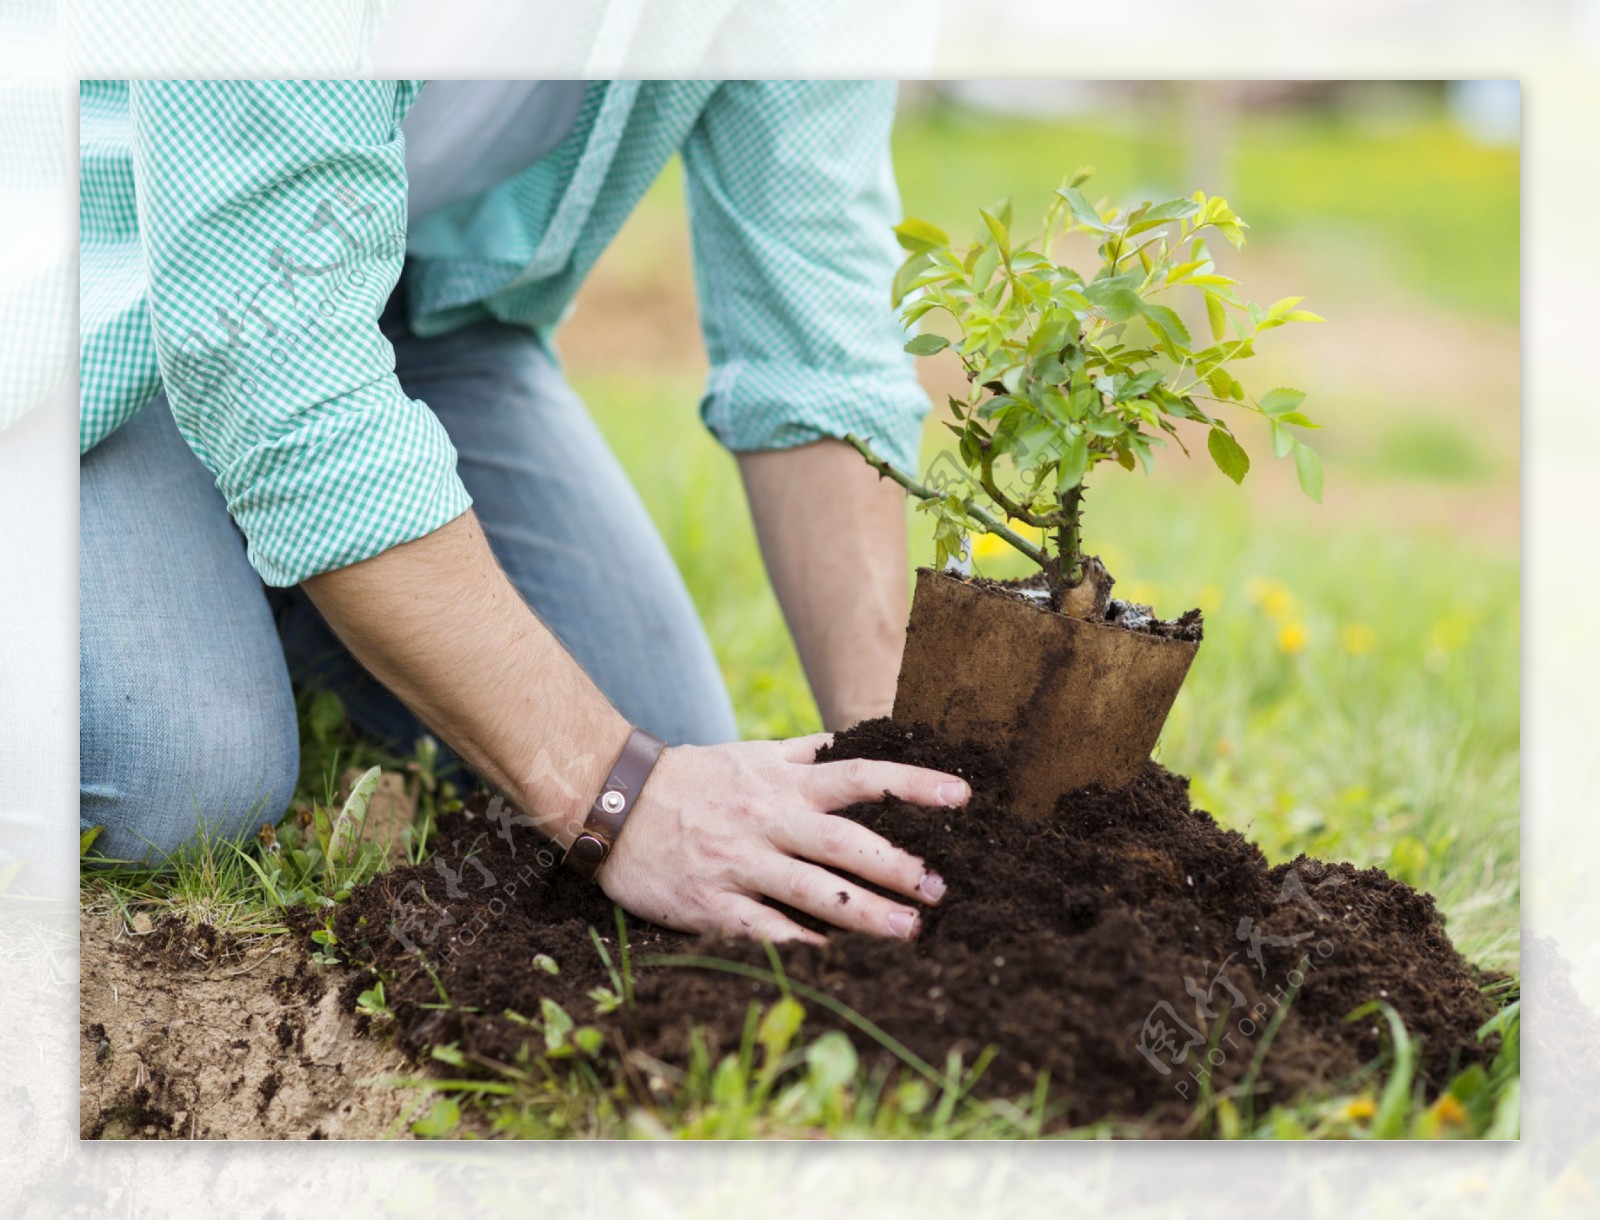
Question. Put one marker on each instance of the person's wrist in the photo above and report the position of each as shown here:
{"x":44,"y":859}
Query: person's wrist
{"x":614,"y":806}
{"x":566,"y":773}
{"x":844,"y":716}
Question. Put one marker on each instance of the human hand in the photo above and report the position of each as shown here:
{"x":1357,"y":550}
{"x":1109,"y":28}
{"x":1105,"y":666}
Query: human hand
{"x":718,"y":829}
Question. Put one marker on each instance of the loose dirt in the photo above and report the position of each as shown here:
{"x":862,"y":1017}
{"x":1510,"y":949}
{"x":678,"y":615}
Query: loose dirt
{"x":1129,"y":947}
{"x":187,"y":1033}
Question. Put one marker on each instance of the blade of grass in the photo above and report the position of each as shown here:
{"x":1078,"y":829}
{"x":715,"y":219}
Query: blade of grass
{"x":871,"y":1029}
{"x":1395,"y":1103}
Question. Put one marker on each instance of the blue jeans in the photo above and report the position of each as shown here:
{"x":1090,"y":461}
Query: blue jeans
{"x":187,"y":659}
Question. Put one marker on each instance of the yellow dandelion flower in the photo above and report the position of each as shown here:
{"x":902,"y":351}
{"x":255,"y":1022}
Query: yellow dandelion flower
{"x":1258,"y":587}
{"x":1450,"y":634}
{"x":1357,"y":638}
{"x":1145,"y":593}
{"x":1274,"y":597}
{"x":1448,"y":1110}
{"x":1292,"y":637}
{"x":1359,"y":1108}
{"x":986,"y":547}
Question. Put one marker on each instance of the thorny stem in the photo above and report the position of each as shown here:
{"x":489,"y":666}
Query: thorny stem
{"x":1069,"y":544}
{"x":888,"y":471}
{"x":1012,"y":509}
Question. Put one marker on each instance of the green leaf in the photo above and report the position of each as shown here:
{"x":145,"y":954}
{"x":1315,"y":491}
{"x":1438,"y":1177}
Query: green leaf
{"x":779,"y":1026}
{"x":558,"y":1024}
{"x":1141,"y":383}
{"x":831,"y":1062}
{"x":1050,"y":336}
{"x":1116,"y":296}
{"x":1224,"y":385}
{"x":1309,"y":467}
{"x":346,"y":832}
{"x":1276,"y":402}
{"x":1217,"y":315}
{"x":907,"y":275}
{"x":1163,"y":213}
{"x":1303,"y":315}
{"x":1169,"y":323}
{"x":983,"y":266}
{"x":441,"y":1119}
{"x":997,"y":230}
{"x":1074,"y":463}
{"x":1298,"y":418}
{"x":1279,"y":308}
{"x":1282,"y":440}
{"x":1082,"y":210}
{"x":729,"y":1083}
{"x":1080,"y":177}
{"x":589,"y":1040}
{"x":323,"y":826}
{"x":1228,"y":454}
{"x":927,"y":345}
{"x":86,"y":839}
{"x":1119,"y":304}
{"x":917,"y":235}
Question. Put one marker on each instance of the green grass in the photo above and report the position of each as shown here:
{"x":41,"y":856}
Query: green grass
{"x":1357,"y":693}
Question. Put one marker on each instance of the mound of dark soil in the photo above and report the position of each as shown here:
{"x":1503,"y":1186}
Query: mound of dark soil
{"x":1129,"y":947}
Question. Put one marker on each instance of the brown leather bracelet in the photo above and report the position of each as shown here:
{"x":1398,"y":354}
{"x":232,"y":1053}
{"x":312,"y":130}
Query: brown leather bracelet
{"x":611,"y":809}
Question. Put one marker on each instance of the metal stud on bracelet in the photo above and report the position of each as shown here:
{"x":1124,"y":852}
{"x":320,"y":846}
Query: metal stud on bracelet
{"x":615,"y":802}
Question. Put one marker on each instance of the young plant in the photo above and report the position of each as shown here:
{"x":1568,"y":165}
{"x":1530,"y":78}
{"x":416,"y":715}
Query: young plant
{"x":1067,"y":370}
{"x":372,"y":1003}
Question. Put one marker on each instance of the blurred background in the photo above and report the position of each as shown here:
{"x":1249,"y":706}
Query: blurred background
{"x":1357,"y":695}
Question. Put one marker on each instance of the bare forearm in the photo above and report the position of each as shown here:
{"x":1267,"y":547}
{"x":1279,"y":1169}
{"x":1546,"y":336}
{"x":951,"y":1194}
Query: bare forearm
{"x":715,"y":831}
{"x":834,"y":539}
{"x":439,"y":623}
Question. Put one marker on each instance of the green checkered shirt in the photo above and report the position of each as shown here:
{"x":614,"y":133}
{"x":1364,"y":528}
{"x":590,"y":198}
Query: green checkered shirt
{"x":240,"y":238}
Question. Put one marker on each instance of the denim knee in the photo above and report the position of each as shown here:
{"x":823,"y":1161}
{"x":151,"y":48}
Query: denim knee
{"x":172,"y":771}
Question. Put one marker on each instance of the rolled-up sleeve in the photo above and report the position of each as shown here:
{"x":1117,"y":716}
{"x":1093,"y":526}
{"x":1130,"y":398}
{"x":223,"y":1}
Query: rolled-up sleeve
{"x":791,"y":200}
{"x":272,"y":222}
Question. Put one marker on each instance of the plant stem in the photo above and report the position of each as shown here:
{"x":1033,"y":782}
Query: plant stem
{"x":886,"y":470}
{"x":1012,"y":509}
{"x":1069,"y":543}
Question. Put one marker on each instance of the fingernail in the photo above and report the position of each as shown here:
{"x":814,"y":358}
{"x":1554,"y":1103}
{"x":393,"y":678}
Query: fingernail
{"x":931,"y":886}
{"x":903,"y":923}
{"x":954,"y":792}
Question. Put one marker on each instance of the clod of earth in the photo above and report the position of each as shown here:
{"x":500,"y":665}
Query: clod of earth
{"x":1127,"y":946}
